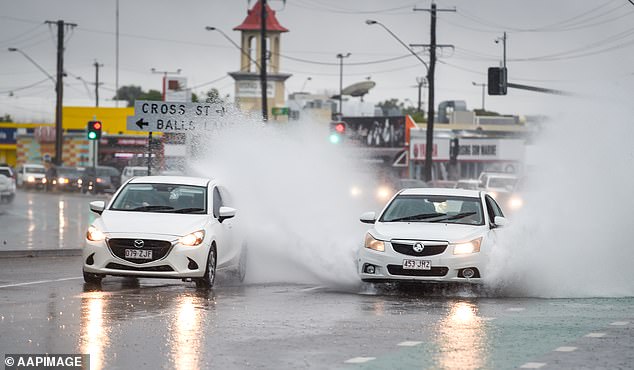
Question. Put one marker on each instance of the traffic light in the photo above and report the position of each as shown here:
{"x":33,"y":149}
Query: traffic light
{"x":454,"y":150}
{"x":497,"y":81}
{"x":94,"y":130}
{"x":337,"y":132}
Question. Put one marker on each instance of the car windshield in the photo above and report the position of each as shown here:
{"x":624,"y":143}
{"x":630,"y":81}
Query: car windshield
{"x":167,"y":198}
{"x":139,"y":172}
{"x":502,"y":182}
{"x":107,"y":171}
{"x":35,"y":169}
{"x":434,"y":208}
{"x":5,"y":171}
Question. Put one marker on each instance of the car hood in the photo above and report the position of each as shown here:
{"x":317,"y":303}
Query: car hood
{"x":174,"y":224}
{"x":427,"y":231}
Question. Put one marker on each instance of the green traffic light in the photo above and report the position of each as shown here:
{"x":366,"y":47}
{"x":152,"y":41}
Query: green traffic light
{"x":334,"y":138}
{"x":92,"y":135}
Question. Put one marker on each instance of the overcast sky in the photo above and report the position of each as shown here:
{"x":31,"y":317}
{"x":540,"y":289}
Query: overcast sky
{"x":565,"y":44}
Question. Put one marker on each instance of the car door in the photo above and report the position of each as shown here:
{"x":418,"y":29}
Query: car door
{"x":221,"y":230}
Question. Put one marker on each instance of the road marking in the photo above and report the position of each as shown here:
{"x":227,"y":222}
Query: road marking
{"x":620,"y":323}
{"x":566,"y":349}
{"x":595,"y":335}
{"x":516,"y":309}
{"x":38,"y":282}
{"x":359,"y":360}
{"x":488,"y":318}
{"x":409,"y":344}
{"x":533,"y":365}
{"x":152,"y":316}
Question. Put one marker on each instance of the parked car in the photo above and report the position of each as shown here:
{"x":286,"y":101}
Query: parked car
{"x":469,"y":184}
{"x":132,"y":171}
{"x":31,"y":176}
{"x":165,"y":227}
{"x":499,"y":185}
{"x":430,"y":235}
{"x":100,"y":179}
{"x":7,"y":187}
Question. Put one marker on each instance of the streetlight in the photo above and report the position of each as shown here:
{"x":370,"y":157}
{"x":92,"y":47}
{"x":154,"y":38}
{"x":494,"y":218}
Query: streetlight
{"x":34,"y":63}
{"x":483,"y":85}
{"x":305,"y":82}
{"x":430,"y":101}
{"x":341,"y":56}
{"x":210,"y":28}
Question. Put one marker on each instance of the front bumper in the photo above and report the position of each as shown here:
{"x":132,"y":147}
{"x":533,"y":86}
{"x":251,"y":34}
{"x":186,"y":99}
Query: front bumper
{"x":445,"y":267}
{"x":179,"y":262}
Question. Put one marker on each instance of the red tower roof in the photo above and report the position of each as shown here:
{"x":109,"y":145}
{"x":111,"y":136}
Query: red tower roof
{"x":252,"y":21}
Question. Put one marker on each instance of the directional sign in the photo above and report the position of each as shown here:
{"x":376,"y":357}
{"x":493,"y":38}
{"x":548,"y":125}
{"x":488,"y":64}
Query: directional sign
{"x":159,"y":116}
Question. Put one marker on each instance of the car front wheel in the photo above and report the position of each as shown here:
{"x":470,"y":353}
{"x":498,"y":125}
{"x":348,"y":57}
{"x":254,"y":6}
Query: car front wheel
{"x":207,"y":281}
{"x":91,"y":278}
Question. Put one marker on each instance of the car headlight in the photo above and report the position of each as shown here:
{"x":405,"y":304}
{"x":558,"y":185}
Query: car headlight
{"x":62,"y":180}
{"x":192,"y":239}
{"x":468,"y":247}
{"x":80,"y":181}
{"x":371,"y":243}
{"x":43,"y":180}
{"x":516,"y":203}
{"x":383,"y":193}
{"x":94,"y":234}
{"x":30,"y":179}
{"x":355,"y":191}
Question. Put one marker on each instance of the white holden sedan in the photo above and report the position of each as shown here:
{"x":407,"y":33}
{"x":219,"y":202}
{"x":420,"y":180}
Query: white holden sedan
{"x":430,"y":235}
{"x":165,"y":227}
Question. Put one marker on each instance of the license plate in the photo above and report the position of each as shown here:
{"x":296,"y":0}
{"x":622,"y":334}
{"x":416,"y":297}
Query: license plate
{"x":416,"y":264}
{"x":143,"y":254}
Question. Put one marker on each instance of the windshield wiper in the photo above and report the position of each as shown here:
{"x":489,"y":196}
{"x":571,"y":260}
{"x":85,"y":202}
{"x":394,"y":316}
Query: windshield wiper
{"x":454,"y":217}
{"x":152,"y":208}
{"x":190,"y":210}
{"x":422,"y":216}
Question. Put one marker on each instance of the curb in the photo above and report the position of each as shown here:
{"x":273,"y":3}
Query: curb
{"x":41,"y":253}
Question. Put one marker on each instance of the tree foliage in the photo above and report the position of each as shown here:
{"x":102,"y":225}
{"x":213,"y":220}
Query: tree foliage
{"x":6,"y":118}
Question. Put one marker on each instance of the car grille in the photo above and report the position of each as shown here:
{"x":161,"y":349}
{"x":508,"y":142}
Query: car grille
{"x":429,"y":250}
{"x":116,"y":266}
{"x":160,"y":248}
{"x":435,"y":271}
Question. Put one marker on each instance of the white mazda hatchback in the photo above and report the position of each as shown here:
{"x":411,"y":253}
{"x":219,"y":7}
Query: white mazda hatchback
{"x":430,"y":235}
{"x":165,"y":227}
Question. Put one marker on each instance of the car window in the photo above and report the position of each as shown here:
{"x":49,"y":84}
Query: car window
{"x":139,"y":172}
{"x":493,"y":208}
{"x":428,"y":208}
{"x":217,"y":202}
{"x":502,"y":182}
{"x":35,"y":169}
{"x":168,"y":198}
{"x":5,"y":171}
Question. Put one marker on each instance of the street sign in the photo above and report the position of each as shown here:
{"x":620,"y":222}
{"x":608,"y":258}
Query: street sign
{"x":279,"y":111}
{"x":159,"y":116}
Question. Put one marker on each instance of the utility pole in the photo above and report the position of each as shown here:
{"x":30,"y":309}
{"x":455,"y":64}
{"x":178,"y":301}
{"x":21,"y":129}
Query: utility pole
{"x":430,"y":81}
{"x":263,"y":83}
{"x":341,"y":56}
{"x":149,"y":135}
{"x":97,"y":65}
{"x":483,"y":85}
{"x":420,"y":81}
{"x":59,"y":131}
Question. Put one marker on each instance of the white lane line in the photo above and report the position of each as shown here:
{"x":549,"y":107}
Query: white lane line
{"x":516,"y":309}
{"x":533,"y":365}
{"x":595,"y":335}
{"x":152,"y":316}
{"x":359,"y":360}
{"x":566,"y":349}
{"x":409,"y":344}
{"x":620,"y":323}
{"x":38,"y":282}
{"x":488,"y":318}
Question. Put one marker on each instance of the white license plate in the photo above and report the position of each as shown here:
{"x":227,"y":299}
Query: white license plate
{"x":416,"y":264}
{"x":144,"y":254}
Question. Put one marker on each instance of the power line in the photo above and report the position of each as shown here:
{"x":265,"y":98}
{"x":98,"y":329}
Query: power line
{"x":24,"y":87}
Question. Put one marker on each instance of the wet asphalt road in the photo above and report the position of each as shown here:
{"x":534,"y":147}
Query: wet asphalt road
{"x":149,"y":324}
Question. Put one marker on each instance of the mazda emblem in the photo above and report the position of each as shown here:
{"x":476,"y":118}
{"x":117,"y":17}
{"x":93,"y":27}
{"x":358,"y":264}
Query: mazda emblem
{"x":418,"y":247}
{"x":138,"y":243}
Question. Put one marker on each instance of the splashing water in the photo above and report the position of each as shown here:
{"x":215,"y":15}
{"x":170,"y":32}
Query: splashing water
{"x":574,"y":236}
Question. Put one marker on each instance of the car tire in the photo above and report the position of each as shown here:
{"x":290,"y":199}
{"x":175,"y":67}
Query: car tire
{"x":91,"y":278}
{"x":207,"y":281}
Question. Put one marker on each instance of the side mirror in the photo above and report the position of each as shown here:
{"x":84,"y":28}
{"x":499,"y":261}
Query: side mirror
{"x":368,"y":218}
{"x":226,"y":213}
{"x":97,"y":206}
{"x":500,"y":221}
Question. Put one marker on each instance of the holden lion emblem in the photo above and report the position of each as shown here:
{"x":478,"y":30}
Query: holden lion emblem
{"x":418,"y":247}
